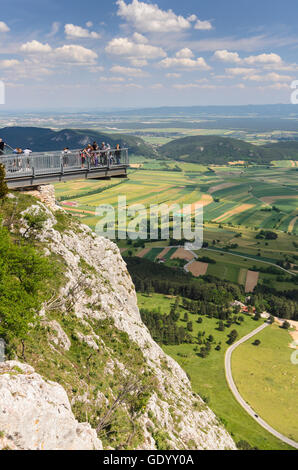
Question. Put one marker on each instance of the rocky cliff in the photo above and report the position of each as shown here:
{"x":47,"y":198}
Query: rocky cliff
{"x":96,"y":365}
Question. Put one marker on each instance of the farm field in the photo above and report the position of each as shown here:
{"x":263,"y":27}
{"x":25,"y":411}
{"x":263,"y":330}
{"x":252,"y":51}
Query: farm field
{"x":238,"y":202}
{"x":273,"y":394}
{"x":208,"y":377}
{"x":258,"y":196}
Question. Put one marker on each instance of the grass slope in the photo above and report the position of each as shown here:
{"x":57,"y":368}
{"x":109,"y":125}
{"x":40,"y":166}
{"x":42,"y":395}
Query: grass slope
{"x":267,"y":379}
{"x":219,"y":150}
{"x":208,"y":376}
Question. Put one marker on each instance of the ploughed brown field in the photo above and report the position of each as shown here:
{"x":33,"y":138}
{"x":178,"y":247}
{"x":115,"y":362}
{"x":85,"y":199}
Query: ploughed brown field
{"x":143,"y":252}
{"x":252,"y":278}
{"x":163,"y":253}
{"x":181,"y":253}
{"x":197,"y":268}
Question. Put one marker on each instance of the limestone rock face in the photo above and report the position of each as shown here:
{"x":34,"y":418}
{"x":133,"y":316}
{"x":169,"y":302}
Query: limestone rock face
{"x":41,"y":414}
{"x":46,"y":194}
{"x":36,"y":415}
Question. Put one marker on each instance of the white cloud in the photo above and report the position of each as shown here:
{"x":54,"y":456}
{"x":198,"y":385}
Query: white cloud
{"x":138,"y":62}
{"x":89,"y":24}
{"x":156,"y":86}
{"x":140,"y":38}
{"x":254,"y":75}
{"x":185,"y":53}
{"x":127,"y":47}
{"x":203,"y":25}
{"x":54,"y":30}
{"x":112,"y":79}
{"x":150,"y":18}
{"x":3,"y":27}
{"x":129,"y":71}
{"x":226,"y":56}
{"x":73,"y":31}
{"x":192,"y":18}
{"x":262,"y":59}
{"x":269,"y":77}
{"x":184,"y":60}
{"x":75,"y":54}
{"x":173,"y":75}
{"x":279,"y":86}
{"x":35,"y":47}
{"x":183,"y":86}
{"x":253,"y":43}
{"x":9,"y":63}
{"x":240,"y":71}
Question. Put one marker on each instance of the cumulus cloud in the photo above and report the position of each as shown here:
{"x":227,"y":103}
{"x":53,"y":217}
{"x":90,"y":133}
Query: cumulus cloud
{"x":9,"y":63}
{"x":73,"y":31}
{"x":183,"y":59}
{"x":34,"y":46}
{"x":203,"y":25}
{"x":269,"y":77}
{"x":261,"y":59}
{"x":150,"y":18}
{"x":173,"y":75}
{"x":3,"y":27}
{"x":139,"y":38}
{"x":279,"y":86}
{"x":71,"y":53}
{"x":240,"y":71}
{"x":138,"y":62}
{"x":137,"y":47}
{"x":76,"y":54}
{"x":226,"y":56}
{"x":254,"y":75}
{"x":185,"y":53}
{"x":183,"y":86}
{"x":129,"y":71}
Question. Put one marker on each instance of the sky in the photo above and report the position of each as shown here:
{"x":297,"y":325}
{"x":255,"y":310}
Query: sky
{"x":134,"y":53}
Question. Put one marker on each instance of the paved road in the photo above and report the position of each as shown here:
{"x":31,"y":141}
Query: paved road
{"x":253,"y":259}
{"x":239,"y":398}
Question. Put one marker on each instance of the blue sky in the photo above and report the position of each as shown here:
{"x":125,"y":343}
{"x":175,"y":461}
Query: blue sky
{"x":147,"y":53}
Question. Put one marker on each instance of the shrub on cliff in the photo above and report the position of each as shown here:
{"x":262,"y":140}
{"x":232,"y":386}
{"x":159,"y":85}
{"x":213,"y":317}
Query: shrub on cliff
{"x":3,"y":185}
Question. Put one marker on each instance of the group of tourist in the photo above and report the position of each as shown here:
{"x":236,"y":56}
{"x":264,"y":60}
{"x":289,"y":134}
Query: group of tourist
{"x":17,"y":150}
{"x":102,"y":155}
{"x":94,"y":154}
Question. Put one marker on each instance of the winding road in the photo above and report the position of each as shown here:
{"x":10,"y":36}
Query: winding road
{"x":234,"y":390}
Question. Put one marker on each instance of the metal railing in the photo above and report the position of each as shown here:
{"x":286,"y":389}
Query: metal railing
{"x":62,"y":162}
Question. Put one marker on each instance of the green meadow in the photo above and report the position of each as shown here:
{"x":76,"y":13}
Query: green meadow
{"x":267,"y":379}
{"x":208,"y":376}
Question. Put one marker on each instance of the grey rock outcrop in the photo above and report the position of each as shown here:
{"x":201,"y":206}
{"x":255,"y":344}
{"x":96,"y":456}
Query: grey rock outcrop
{"x":36,"y":415}
{"x":107,"y":292}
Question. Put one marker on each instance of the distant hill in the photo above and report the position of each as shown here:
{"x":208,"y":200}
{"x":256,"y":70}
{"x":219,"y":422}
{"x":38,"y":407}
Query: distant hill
{"x":267,"y":110}
{"x":220,"y":150}
{"x":40,"y":139}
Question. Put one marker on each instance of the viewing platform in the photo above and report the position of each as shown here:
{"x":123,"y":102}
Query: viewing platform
{"x":46,"y":167}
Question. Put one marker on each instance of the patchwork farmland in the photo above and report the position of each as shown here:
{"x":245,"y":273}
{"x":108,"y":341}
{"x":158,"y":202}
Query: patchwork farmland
{"x":237,"y":203}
